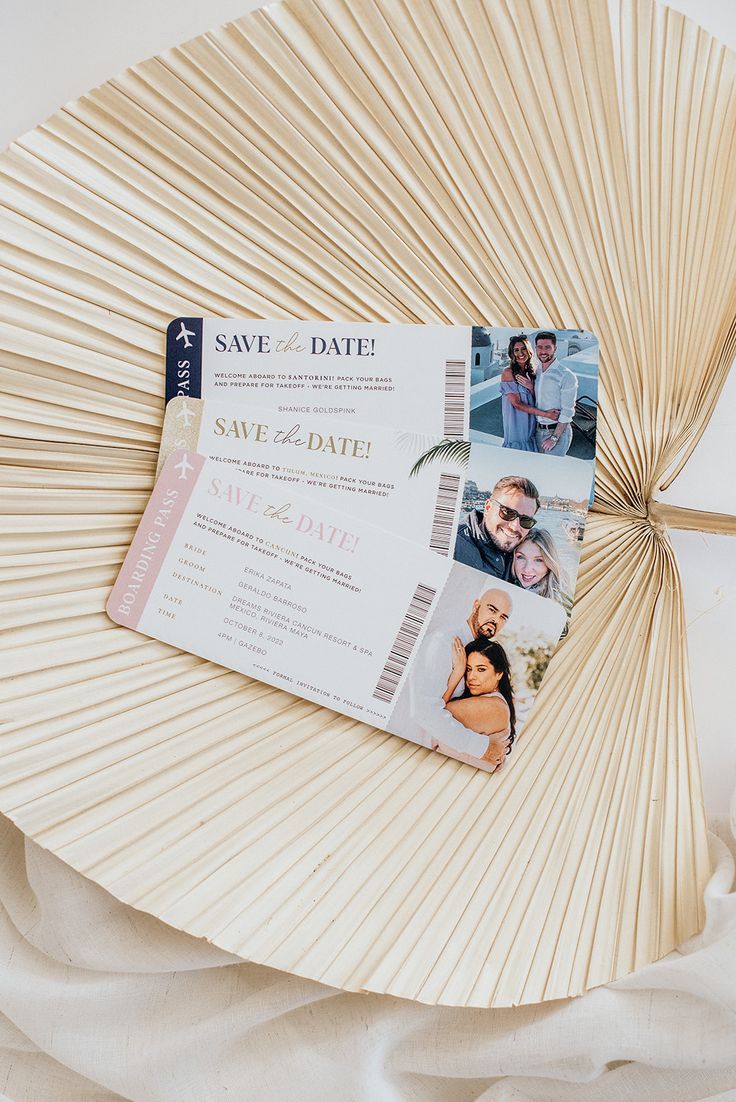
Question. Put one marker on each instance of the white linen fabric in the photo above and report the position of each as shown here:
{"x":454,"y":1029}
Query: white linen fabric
{"x":100,"y":1002}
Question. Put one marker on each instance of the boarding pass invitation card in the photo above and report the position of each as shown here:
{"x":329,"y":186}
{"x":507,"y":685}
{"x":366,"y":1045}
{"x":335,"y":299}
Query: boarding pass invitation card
{"x":254,"y":575}
{"x":526,"y":388}
{"x":412,"y":484}
{"x":403,"y":376}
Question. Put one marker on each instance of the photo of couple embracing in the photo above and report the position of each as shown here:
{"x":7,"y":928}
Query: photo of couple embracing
{"x":522,"y":519}
{"x":476,"y":672}
{"x":503,"y":539}
{"x":479,"y":693}
{"x":535,"y":390}
{"x":537,"y":399}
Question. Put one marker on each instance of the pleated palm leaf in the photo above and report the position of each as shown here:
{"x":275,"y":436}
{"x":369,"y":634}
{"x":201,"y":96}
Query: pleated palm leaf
{"x":386,"y":161}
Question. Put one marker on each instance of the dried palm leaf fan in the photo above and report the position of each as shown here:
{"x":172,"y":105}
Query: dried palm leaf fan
{"x":508,"y":162}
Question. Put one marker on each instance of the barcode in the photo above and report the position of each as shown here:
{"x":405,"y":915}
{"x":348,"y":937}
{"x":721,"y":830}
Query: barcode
{"x":404,"y":643}
{"x":443,"y":522}
{"x":454,"y":399}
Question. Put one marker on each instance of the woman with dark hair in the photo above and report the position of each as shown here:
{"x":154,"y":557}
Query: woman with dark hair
{"x":517,"y":398}
{"x":486,"y":705}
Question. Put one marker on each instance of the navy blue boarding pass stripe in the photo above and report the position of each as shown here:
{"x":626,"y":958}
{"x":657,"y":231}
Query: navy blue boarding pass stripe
{"x":184,"y":358}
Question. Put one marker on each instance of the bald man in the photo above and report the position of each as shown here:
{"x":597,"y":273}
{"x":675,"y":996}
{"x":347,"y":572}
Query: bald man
{"x":429,"y":722}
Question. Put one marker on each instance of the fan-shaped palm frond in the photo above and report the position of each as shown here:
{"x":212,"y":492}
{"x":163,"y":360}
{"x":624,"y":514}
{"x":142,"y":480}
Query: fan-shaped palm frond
{"x":452,"y":451}
{"x":310,"y":186}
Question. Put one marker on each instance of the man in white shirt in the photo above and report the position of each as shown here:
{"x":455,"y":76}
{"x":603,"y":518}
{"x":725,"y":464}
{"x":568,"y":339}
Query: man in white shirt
{"x":431,"y":723}
{"x":555,"y":387}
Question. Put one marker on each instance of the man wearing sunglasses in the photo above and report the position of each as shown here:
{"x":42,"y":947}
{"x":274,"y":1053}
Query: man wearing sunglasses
{"x":487,"y":539}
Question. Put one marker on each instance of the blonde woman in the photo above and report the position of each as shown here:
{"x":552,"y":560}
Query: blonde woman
{"x":536,"y":567}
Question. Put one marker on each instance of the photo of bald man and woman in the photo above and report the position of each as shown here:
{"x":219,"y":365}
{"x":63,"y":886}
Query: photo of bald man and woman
{"x":473,"y":680}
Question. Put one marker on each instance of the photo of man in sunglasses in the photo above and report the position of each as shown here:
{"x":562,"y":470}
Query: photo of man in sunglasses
{"x":488,"y":537}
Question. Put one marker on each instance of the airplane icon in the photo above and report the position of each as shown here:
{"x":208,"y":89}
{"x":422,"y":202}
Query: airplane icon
{"x":185,"y":334}
{"x":186,"y":415}
{"x":183,"y":466}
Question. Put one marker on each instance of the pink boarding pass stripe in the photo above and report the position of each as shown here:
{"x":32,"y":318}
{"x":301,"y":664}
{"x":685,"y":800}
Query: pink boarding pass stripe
{"x":153,"y":538}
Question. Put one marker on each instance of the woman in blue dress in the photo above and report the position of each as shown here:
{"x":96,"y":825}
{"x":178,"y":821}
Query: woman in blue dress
{"x":517,"y":398}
